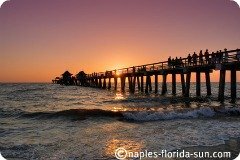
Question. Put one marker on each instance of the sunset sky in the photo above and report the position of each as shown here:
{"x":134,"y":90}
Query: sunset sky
{"x":40,"y":39}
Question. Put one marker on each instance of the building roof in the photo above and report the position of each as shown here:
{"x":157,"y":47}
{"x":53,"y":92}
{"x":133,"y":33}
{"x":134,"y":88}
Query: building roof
{"x":66,"y":73}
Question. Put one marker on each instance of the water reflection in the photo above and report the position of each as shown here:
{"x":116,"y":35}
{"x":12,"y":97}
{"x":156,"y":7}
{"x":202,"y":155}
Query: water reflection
{"x":127,"y":144}
{"x":118,"y":109}
{"x":119,"y":96}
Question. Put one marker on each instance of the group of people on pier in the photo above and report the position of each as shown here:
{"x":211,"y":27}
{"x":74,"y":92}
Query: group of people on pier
{"x":200,"y":59}
{"x":191,"y":60}
{"x":177,"y":62}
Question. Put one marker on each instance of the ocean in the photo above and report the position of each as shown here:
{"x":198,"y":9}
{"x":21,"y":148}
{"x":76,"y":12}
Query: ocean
{"x":50,"y":121}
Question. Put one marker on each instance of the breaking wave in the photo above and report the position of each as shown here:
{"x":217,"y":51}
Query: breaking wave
{"x":81,"y":114}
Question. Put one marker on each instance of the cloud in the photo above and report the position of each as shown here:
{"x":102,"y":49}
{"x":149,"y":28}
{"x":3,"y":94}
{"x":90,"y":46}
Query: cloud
{"x":2,"y":1}
{"x":237,"y":1}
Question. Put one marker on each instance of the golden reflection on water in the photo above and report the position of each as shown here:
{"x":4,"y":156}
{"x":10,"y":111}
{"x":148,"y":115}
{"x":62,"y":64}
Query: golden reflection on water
{"x":118,"y":109}
{"x":119,"y":96}
{"x":128,"y":145}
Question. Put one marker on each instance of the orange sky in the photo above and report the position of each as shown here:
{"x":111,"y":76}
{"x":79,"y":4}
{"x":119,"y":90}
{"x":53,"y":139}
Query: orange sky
{"x":41,"y":39}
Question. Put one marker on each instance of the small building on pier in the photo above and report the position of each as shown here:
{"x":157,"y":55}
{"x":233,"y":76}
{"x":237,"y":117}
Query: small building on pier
{"x":56,"y":80}
{"x":81,"y":79}
{"x":67,"y":78}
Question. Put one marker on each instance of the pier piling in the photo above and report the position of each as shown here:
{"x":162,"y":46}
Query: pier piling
{"x":156,"y":84}
{"x":142,"y":87}
{"x":134,"y":84}
{"x":221,"y":85}
{"x":104,"y":83}
{"x":198,"y":84}
{"x":123,"y":79}
{"x":150,"y":84}
{"x":138,"y":83}
{"x":174,"y":84}
{"x":100,"y":83}
{"x":183,"y":83}
{"x":115,"y":83}
{"x":164,"y":84}
{"x":109,"y":83}
{"x":188,"y":81}
{"x":233,"y":85}
{"x":130,"y":83}
{"x":208,"y":83}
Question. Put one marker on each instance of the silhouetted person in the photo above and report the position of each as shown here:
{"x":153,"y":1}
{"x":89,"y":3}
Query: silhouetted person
{"x":180,"y":61}
{"x":220,"y":56}
{"x":206,"y":55}
{"x":213,"y":58}
{"x":217,"y":57}
{"x":169,"y":61}
{"x":176,"y":62}
{"x":138,"y":69}
{"x":173,"y":63}
{"x":144,"y":68}
{"x":201,"y":58}
{"x":194,"y":56}
{"x":225,"y":55}
{"x":189,"y":59}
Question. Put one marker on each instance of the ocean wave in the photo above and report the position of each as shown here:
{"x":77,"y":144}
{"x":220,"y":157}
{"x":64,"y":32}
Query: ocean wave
{"x":79,"y":114}
{"x":163,"y":115}
{"x":82,"y":114}
{"x":27,"y":90}
{"x":9,"y":112}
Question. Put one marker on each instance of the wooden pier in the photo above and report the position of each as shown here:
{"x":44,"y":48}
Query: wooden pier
{"x":140,"y":77}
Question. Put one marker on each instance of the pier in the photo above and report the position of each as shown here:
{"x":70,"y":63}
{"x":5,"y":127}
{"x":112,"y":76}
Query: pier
{"x":140,"y":77}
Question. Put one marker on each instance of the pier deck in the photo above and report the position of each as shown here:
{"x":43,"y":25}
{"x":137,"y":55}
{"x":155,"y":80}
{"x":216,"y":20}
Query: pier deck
{"x":221,"y":61}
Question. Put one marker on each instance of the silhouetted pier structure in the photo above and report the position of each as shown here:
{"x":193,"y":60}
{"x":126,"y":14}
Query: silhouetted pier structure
{"x":140,"y":77}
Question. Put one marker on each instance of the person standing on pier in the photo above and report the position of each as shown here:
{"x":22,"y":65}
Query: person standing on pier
{"x":181,"y":62}
{"x":213,"y":58}
{"x":220,"y":60}
{"x":225,"y":55}
{"x":189,"y":59}
{"x":217,"y":57}
{"x":177,"y":62}
{"x":201,"y":58}
{"x":144,"y":68}
{"x":206,"y":54}
{"x":134,"y":69}
{"x":169,"y":62}
{"x":194,"y":56}
{"x":173,"y":63}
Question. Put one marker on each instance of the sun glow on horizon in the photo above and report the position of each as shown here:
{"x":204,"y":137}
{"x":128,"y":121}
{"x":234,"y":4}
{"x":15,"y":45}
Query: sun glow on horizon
{"x":118,"y":73}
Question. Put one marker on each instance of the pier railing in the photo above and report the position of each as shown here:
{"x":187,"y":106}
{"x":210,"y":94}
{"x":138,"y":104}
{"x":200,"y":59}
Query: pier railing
{"x":141,"y":75}
{"x":213,"y":59}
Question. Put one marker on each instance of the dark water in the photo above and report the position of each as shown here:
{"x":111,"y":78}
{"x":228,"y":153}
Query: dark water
{"x":47,"y":121}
